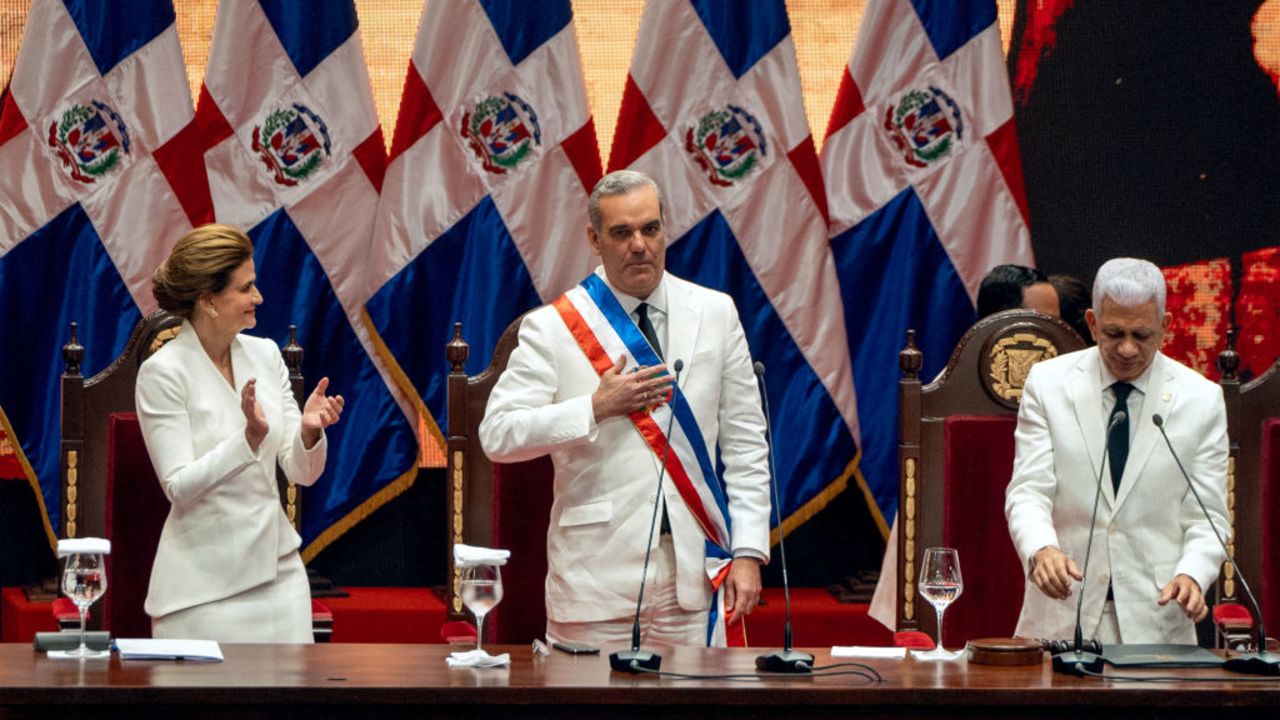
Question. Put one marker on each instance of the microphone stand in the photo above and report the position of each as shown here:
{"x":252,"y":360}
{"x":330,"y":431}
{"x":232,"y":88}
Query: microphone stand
{"x":1079,"y":662}
{"x":636,"y":660}
{"x":788,"y":660}
{"x":1261,"y":662}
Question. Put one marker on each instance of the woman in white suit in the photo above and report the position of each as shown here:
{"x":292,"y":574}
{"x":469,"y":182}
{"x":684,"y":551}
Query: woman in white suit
{"x":217,"y":413}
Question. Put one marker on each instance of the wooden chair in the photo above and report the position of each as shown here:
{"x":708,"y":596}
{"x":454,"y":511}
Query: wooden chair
{"x":109,"y":487}
{"x":956,"y":457}
{"x":1253,"y":497}
{"x":495,"y":504}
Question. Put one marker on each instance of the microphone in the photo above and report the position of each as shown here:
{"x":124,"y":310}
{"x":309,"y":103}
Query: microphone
{"x":636,"y":660}
{"x":1079,"y":662}
{"x":1256,"y":663}
{"x":788,"y":660}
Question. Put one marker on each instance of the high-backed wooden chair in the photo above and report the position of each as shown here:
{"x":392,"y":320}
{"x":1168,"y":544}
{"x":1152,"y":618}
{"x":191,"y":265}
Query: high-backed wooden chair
{"x":956,"y":457}
{"x":495,"y":504}
{"x":1253,"y":489}
{"x":109,"y":487}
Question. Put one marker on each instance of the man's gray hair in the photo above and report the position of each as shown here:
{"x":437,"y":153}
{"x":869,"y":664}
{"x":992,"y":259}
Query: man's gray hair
{"x":619,"y":182}
{"x":1129,"y":282}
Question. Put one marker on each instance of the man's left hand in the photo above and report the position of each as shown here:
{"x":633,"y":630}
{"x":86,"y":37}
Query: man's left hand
{"x":1186,"y":591}
{"x":742,"y":588}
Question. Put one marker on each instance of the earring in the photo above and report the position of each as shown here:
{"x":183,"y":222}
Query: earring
{"x":213,"y":313}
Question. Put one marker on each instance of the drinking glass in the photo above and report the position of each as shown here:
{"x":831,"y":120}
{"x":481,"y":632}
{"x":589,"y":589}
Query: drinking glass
{"x":84,"y":580}
{"x":940,"y":584}
{"x":481,"y":591}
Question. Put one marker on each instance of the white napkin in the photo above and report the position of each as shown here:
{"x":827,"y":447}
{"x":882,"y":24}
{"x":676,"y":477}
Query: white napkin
{"x":82,"y":546}
{"x":864,"y":651}
{"x":466,"y":555}
{"x":477,"y":659}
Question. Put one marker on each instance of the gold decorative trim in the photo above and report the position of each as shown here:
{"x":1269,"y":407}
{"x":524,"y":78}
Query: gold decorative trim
{"x":27,"y":470}
{"x":909,"y":546}
{"x":459,"y":477}
{"x":1229,"y":570}
{"x":163,"y":337}
{"x":291,"y":499}
{"x":73,"y":478}
{"x":1011,"y":359}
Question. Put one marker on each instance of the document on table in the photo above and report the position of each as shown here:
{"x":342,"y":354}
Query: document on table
{"x":863,"y":651}
{"x":147,"y":649}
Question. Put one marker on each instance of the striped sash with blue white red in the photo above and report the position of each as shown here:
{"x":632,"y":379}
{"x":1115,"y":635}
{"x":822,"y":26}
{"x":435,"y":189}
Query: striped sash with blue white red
{"x":604,"y":331}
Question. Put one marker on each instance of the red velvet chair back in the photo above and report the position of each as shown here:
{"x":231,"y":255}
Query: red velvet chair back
{"x":978,"y":457}
{"x":1253,"y":413}
{"x":956,"y":458}
{"x":522,"y":495}
{"x":1253,"y":484}
{"x":1270,"y":505}
{"x":135,"y":513}
{"x":495,"y":504}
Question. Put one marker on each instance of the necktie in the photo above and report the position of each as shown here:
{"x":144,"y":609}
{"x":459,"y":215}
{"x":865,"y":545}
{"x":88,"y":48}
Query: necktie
{"x":651,"y":334}
{"x":646,"y":327}
{"x":1119,"y":436}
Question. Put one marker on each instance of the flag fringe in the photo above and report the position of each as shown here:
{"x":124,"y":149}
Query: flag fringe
{"x":31,"y":479}
{"x":388,"y":493}
{"x":829,"y":493}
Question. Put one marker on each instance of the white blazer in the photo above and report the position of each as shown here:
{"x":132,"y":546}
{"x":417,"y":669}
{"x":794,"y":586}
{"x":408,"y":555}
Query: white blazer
{"x":605,"y":474}
{"x":226,"y":529}
{"x":1153,"y":531}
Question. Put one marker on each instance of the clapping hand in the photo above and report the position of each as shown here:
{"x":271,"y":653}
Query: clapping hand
{"x":255,"y":425}
{"x":320,"y":412}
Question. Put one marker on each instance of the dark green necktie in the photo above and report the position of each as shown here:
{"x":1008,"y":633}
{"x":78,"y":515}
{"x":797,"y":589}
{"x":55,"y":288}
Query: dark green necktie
{"x":1120,"y":435}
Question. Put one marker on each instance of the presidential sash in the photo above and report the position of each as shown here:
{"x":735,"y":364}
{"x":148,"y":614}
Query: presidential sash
{"x":604,"y":331}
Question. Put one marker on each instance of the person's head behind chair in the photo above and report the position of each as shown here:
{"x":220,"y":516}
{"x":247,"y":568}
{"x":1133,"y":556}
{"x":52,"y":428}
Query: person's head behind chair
{"x":1008,"y":287}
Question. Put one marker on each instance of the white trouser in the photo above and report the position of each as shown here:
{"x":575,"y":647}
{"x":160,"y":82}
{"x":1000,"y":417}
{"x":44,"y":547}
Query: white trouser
{"x":662,"y":620}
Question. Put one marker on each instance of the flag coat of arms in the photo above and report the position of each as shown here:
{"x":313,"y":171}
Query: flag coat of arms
{"x":295,"y":156}
{"x":99,"y":177}
{"x":925,"y":189}
{"x":712,"y":111}
{"x":483,"y":210}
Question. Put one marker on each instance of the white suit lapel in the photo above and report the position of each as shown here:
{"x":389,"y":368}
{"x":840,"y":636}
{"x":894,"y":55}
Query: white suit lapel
{"x":1086,"y":400}
{"x":684,"y":318}
{"x":1158,"y":399}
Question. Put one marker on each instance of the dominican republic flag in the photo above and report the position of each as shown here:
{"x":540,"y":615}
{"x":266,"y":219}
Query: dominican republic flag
{"x":296,"y":158}
{"x":712,"y":111}
{"x":99,"y":177}
{"x":484,"y":208}
{"x":925,"y":188}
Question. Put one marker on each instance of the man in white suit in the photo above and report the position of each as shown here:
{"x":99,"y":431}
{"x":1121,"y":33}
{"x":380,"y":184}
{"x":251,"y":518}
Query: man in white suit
{"x":1154,"y":553}
{"x":592,"y":406}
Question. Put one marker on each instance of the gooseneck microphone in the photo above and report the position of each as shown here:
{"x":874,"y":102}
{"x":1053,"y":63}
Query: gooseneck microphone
{"x":636,"y":660}
{"x":1079,"y":662}
{"x":788,"y":660}
{"x":1255,"y":663}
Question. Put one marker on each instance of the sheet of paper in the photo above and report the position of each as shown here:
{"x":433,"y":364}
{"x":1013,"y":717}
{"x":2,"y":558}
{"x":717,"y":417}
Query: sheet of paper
{"x":147,"y":649}
{"x":864,"y":651}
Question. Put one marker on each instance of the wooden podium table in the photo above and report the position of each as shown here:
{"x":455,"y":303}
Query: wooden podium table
{"x":393,"y":681}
